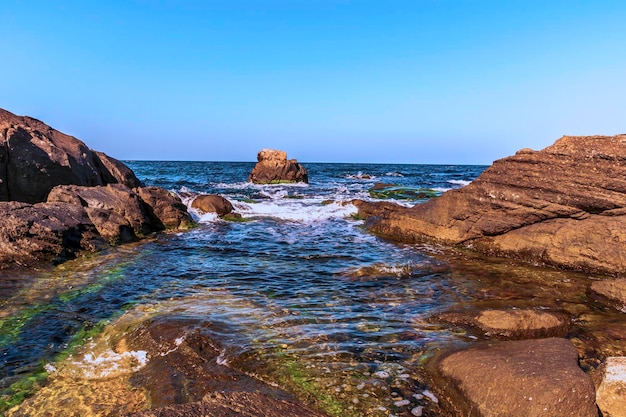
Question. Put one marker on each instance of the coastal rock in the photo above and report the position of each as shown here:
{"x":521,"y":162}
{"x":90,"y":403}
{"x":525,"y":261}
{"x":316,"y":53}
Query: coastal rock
{"x":273,"y":167}
{"x":400,"y":192}
{"x":611,"y":291}
{"x":563,"y":206}
{"x":187,"y":375}
{"x":45,"y":232}
{"x":211,"y":203}
{"x":611,"y":394}
{"x":513,"y":324}
{"x":113,"y":209}
{"x":529,"y":378}
{"x":164,"y":208}
{"x":34,"y":158}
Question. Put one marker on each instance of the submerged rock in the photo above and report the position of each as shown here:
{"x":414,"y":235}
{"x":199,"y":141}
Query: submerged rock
{"x":400,"y":192}
{"x":34,"y":158}
{"x":273,"y":167}
{"x":611,"y":394}
{"x":513,"y":324}
{"x":563,"y":206}
{"x":526,"y":378}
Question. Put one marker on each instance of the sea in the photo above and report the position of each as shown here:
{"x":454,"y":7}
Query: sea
{"x":298,"y":288}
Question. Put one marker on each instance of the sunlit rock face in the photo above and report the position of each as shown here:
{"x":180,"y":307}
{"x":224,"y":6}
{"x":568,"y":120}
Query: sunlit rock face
{"x":273,"y":167}
{"x":34,"y":158}
{"x":564,"y":205}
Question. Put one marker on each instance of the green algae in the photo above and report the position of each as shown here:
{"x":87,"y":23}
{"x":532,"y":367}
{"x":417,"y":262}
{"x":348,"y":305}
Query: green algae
{"x":390,"y":191}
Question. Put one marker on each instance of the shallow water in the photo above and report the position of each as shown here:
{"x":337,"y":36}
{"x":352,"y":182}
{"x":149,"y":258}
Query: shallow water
{"x":301,"y":297}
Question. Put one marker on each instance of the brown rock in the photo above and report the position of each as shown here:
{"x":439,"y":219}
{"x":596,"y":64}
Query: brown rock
{"x":528,"y":378}
{"x":274,"y":168}
{"x":112,"y":209}
{"x":34,"y":158}
{"x":513,"y":324}
{"x":165,"y":208}
{"x":45,"y":232}
{"x":562,"y":206}
{"x":611,"y":394}
{"x":613,"y":291}
{"x":211,"y":203}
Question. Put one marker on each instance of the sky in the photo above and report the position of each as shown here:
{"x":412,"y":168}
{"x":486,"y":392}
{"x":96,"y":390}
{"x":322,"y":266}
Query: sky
{"x":415,"y":81}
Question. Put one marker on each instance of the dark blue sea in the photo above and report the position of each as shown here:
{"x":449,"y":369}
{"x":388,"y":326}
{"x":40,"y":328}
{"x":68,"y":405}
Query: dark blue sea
{"x":301,"y":283}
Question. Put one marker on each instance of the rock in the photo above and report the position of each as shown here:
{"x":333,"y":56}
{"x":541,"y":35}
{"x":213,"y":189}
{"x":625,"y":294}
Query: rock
{"x":513,"y":324}
{"x":45,"y":232}
{"x":611,"y":394}
{"x":563,"y":206}
{"x":165,"y":209}
{"x":187,"y":376}
{"x":399,"y":192}
{"x":211,"y":203}
{"x":612,"y":291}
{"x":115,"y":210}
{"x":274,"y":168}
{"x":34,"y":158}
{"x":528,"y":378}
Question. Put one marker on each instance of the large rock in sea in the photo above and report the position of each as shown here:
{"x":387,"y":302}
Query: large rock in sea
{"x":564,"y":206}
{"x":273,"y":167}
{"x":34,"y":158}
{"x":525,"y":378}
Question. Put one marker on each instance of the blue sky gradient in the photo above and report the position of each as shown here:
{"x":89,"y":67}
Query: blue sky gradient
{"x":419,"y":81}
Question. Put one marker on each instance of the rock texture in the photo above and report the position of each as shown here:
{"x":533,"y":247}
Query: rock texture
{"x":563,"y":206}
{"x":210,"y":203}
{"x":34,"y":158}
{"x":612,"y":292}
{"x":526,"y":378}
{"x":512,"y":324}
{"x":611,"y":394}
{"x":273,"y":167}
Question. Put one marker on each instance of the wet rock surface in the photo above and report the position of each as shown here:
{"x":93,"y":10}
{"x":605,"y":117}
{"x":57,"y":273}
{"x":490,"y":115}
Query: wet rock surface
{"x":564,"y":206}
{"x":273,"y":167}
{"x":539,"y":377}
{"x":611,"y":394}
{"x":611,"y":292}
{"x":210,"y":203}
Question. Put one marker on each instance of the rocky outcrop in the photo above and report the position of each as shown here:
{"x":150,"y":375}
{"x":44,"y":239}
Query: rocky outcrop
{"x":563,"y":206}
{"x":165,"y":209}
{"x":529,"y":378}
{"x":273,"y":167}
{"x":34,"y":158}
{"x":211,"y":203}
{"x":612,"y":292}
{"x":512,"y":324}
{"x":611,"y":394}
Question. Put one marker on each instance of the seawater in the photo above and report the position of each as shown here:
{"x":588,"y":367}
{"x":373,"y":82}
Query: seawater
{"x":300,"y":284}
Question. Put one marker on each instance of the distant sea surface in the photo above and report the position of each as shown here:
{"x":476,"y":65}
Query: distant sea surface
{"x":302,"y":283}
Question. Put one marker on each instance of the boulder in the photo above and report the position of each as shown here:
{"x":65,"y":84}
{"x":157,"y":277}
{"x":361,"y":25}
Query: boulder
{"x":563,"y":206}
{"x":529,"y":378}
{"x":45,"y":232}
{"x":34,"y":158}
{"x":211,"y":203}
{"x":512,"y":324}
{"x":611,"y":291}
{"x":273,"y":167}
{"x":611,"y":394}
{"x":165,"y":209}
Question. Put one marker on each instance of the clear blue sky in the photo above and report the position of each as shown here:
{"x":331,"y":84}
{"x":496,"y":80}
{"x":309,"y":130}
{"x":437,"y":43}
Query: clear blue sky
{"x":416,"y":81}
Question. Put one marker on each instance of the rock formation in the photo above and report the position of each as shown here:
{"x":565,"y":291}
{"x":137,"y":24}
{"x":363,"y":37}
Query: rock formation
{"x":210,"y":203}
{"x":611,"y":394}
{"x":538,"y":377}
{"x":58,"y":198}
{"x":34,"y":158}
{"x":563,"y":206}
{"x":273,"y":167}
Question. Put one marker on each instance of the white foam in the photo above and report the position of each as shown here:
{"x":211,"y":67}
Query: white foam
{"x":307,"y":210}
{"x":110,"y":363}
{"x":462,"y":183}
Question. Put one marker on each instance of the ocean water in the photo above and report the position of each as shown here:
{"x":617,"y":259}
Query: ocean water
{"x":301,"y":285}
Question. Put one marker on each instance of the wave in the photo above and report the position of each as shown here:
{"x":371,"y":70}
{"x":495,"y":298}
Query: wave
{"x":304,"y":211}
{"x":360,"y":176}
{"x":462,"y":183}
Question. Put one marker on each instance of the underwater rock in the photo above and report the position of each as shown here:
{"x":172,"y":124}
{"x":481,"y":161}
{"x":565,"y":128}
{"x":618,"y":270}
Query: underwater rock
{"x":528,"y":378}
{"x":611,"y":394}
{"x":612,"y":292}
{"x":45,"y":232}
{"x":400,"y":192}
{"x":273,"y":167}
{"x":512,"y":324}
{"x":34,"y":158}
{"x":563,"y":206}
{"x":211,"y":203}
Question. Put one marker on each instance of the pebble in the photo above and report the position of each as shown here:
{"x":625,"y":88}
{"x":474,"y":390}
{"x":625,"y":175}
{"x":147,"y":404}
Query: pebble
{"x":382,"y":374}
{"x":417,"y":411}
{"x":430,"y":396}
{"x":402,"y":403}
{"x":418,"y":396}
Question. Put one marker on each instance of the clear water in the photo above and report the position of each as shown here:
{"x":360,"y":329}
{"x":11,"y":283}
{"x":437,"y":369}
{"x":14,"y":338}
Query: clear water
{"x":301,"y":289}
